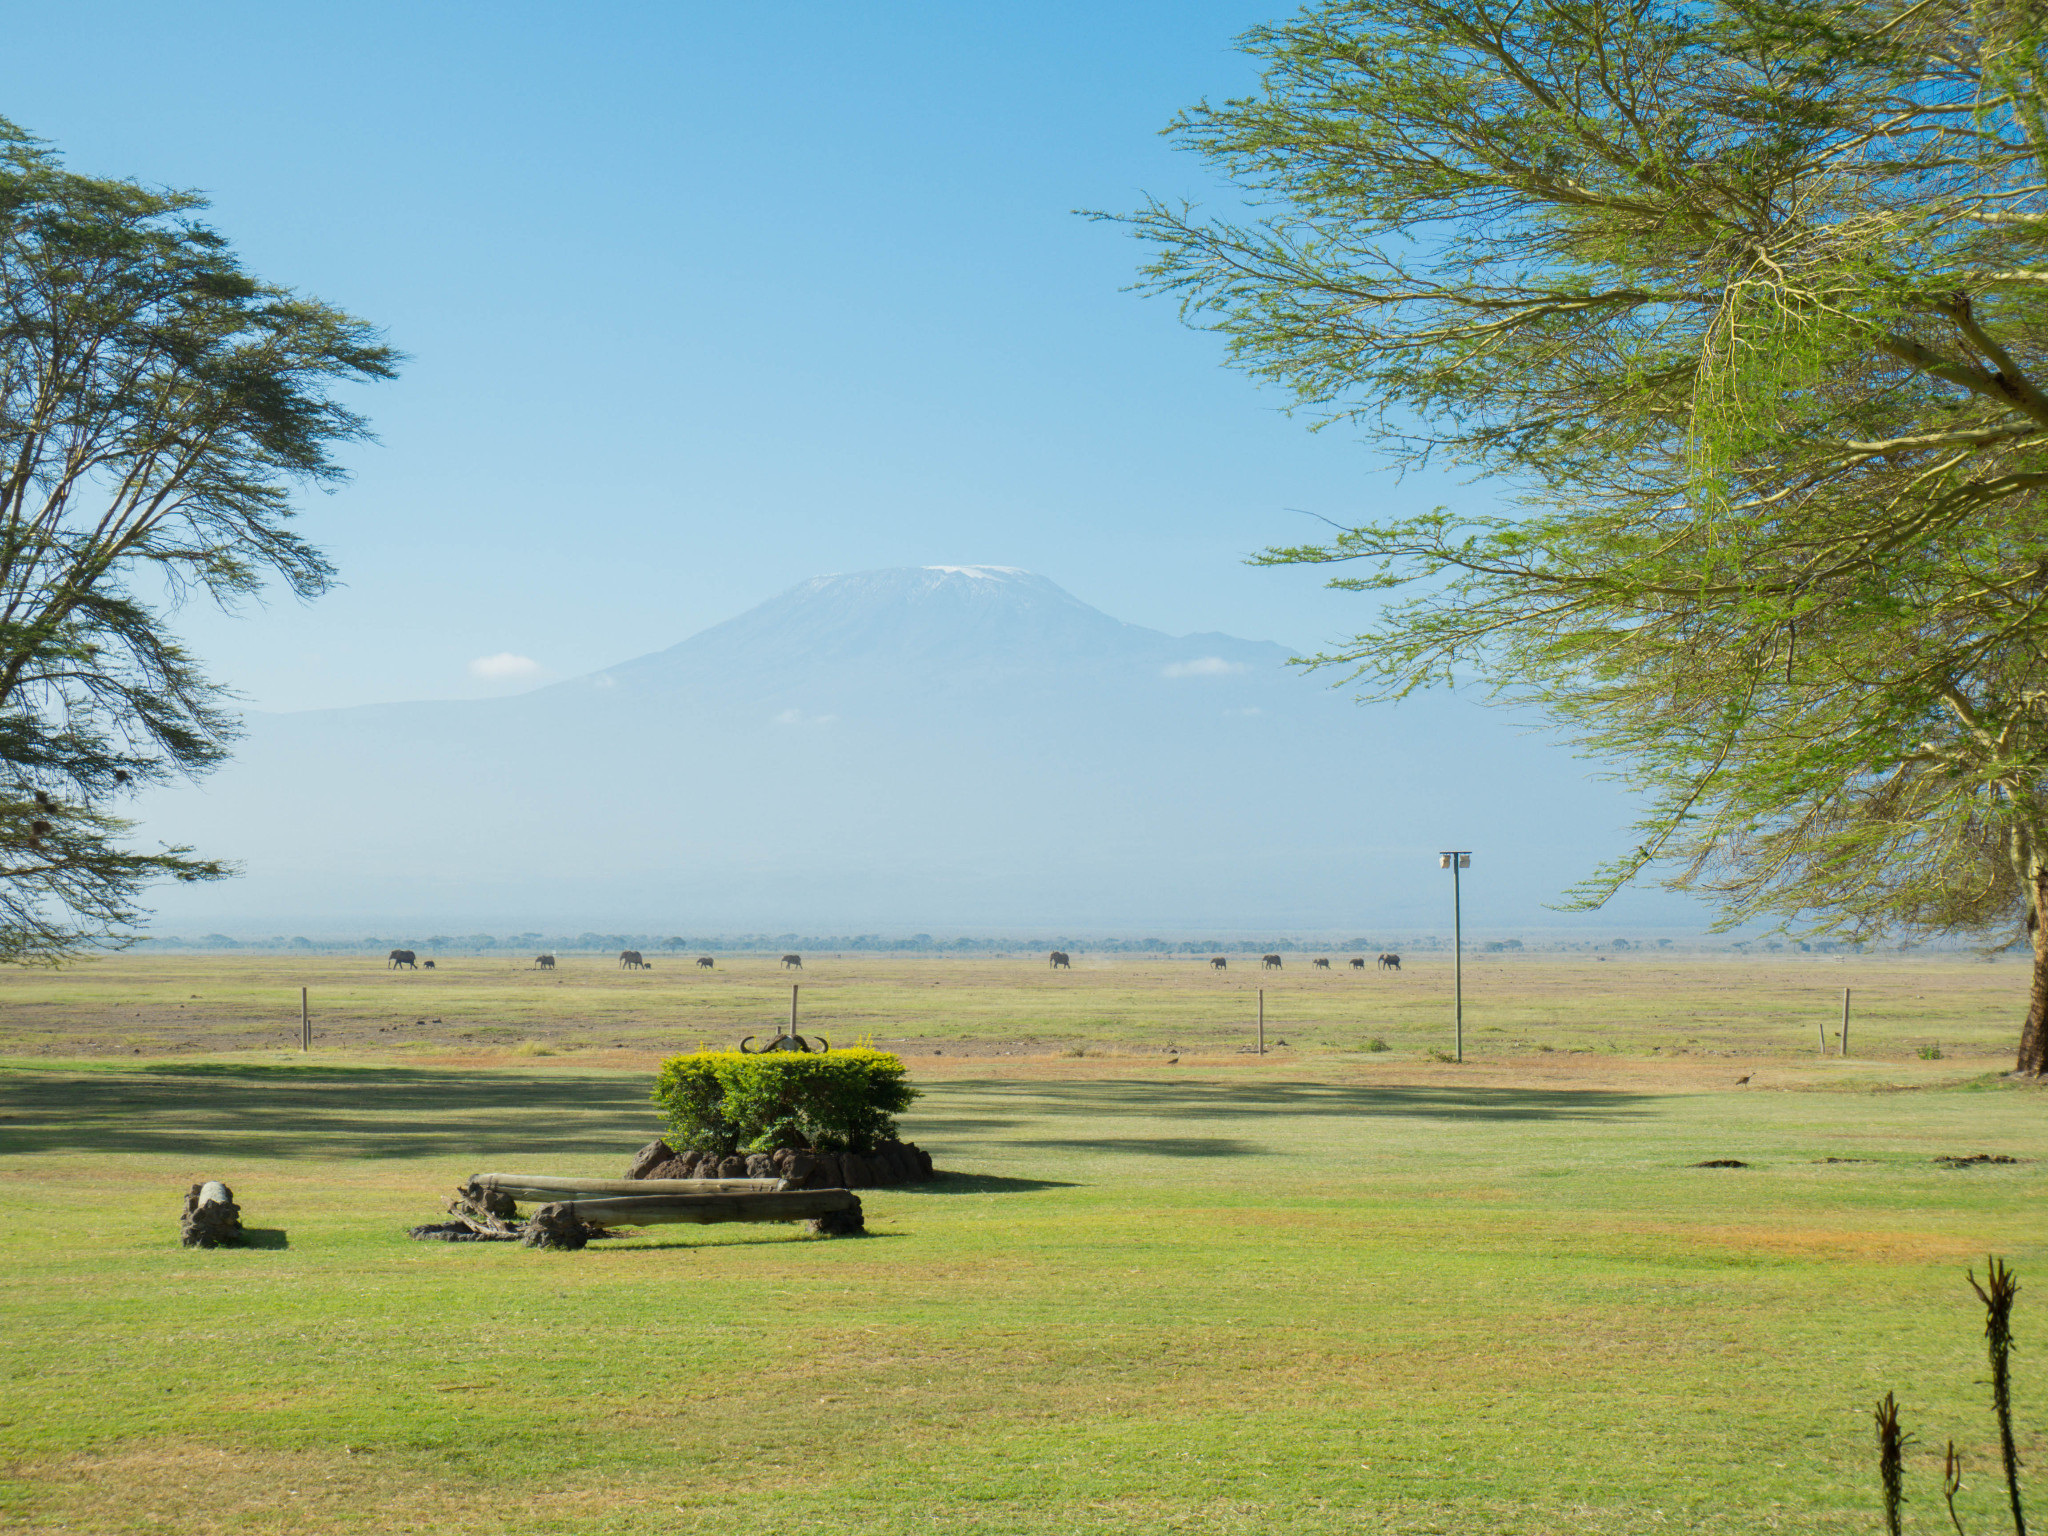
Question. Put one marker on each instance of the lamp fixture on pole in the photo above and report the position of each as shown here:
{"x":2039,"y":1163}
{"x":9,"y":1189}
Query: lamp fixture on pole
{"x":1455,"y":859}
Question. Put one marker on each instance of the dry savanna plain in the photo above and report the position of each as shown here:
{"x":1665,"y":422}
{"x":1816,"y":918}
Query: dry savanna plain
{"x":1163,"y":1284}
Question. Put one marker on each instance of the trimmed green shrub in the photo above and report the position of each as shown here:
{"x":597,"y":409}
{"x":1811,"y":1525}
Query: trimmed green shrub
{"x":729,"y":1101}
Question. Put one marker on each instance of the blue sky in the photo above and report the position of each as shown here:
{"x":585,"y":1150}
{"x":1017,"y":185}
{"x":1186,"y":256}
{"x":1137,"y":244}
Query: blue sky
{"x":705,"y":300}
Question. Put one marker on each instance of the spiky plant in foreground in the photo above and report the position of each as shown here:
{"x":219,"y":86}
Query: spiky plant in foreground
{"x":1891,"y":1469}
{"x":2000,"y":1289}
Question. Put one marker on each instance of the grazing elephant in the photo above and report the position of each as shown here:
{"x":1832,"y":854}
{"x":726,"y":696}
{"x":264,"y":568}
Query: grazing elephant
{"x":426,"y":965}
{"x":1323,"y":965}
{"x":1358,"y":965}
{"x":1269,"y":962}
{"x":400,"y":957}
{"x":1060,"y":961}
{"x":629,"y":959}
{"x":703,"y":962}
{"x":1390,"y":962}
{"x":544,"y":962}
{"x":792,"y":962}
{"x":1219,"y":964}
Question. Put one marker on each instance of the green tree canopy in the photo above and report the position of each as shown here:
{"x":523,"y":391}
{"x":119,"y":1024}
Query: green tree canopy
{"x":158,"y":405}
{"x":1742,"y":304}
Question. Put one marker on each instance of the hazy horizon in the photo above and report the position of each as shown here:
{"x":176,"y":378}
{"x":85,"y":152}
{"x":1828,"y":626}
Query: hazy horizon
{"x":914,"y":749}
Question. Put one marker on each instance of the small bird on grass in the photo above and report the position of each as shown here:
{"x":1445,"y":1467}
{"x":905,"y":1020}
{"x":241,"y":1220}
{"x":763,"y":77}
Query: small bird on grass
{"x":1741,"y":1080}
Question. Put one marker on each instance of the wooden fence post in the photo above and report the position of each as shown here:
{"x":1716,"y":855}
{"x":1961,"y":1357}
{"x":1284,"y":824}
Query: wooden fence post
{"x":305,"y":1022}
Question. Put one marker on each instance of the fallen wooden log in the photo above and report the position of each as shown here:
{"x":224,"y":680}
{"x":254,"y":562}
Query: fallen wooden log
{"x":561,"y":1223}
{"x":481,"y":1223}
{"x":535,"y":1186}
{"x":211,"y":1219}
{"x":653,"y":1210}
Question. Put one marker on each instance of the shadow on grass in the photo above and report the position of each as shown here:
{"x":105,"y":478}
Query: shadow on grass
{"x":199,"y":1109}
{"x":265,"y":1237}
{"x":195,"y":1109}
{"x":634,"y":1245}
{"x":1182,"y":1102}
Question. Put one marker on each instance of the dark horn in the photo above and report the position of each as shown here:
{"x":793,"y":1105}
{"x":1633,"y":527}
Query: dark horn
{"x":824,"y":1045}
{"x":743,"y":1048}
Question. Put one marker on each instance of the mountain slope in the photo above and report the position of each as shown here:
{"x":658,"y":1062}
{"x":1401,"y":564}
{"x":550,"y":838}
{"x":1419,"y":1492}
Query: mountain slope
{"x":938,"y":747}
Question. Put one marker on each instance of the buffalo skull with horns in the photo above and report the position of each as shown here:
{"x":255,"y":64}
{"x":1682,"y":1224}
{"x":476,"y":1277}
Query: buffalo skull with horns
{"x":788,"y":1043}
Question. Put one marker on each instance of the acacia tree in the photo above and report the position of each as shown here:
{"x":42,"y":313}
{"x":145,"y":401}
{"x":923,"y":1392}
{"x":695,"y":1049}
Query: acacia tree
{"x":157,"y":407}
{"x":1744,"y":303}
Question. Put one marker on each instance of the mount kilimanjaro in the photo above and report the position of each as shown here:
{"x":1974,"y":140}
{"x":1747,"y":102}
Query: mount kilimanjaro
{"x":941,"y":747}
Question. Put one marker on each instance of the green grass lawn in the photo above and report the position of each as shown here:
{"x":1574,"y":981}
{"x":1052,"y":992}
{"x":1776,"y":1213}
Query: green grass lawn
{"x":1324,"y":1296}
{"x":475,"y":1005}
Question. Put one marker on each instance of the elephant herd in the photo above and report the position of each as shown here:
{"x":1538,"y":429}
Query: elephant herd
{"x":629,"y":960}
{"x":633,"y":960}
{"x":1062,"y":961}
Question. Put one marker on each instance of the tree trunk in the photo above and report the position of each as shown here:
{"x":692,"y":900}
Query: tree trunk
{"x":211,"y":1219}
{"x":2033,"y":1058}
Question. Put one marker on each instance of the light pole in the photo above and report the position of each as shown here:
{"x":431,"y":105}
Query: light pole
{"x":1454,"y":860}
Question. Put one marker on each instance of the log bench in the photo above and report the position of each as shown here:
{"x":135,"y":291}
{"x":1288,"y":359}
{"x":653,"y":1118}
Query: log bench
{"x":573,"y":1206}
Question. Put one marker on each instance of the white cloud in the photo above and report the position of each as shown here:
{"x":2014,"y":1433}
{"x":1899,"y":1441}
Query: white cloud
{"x":1203,"y":666}
{"x":505,"y":667}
